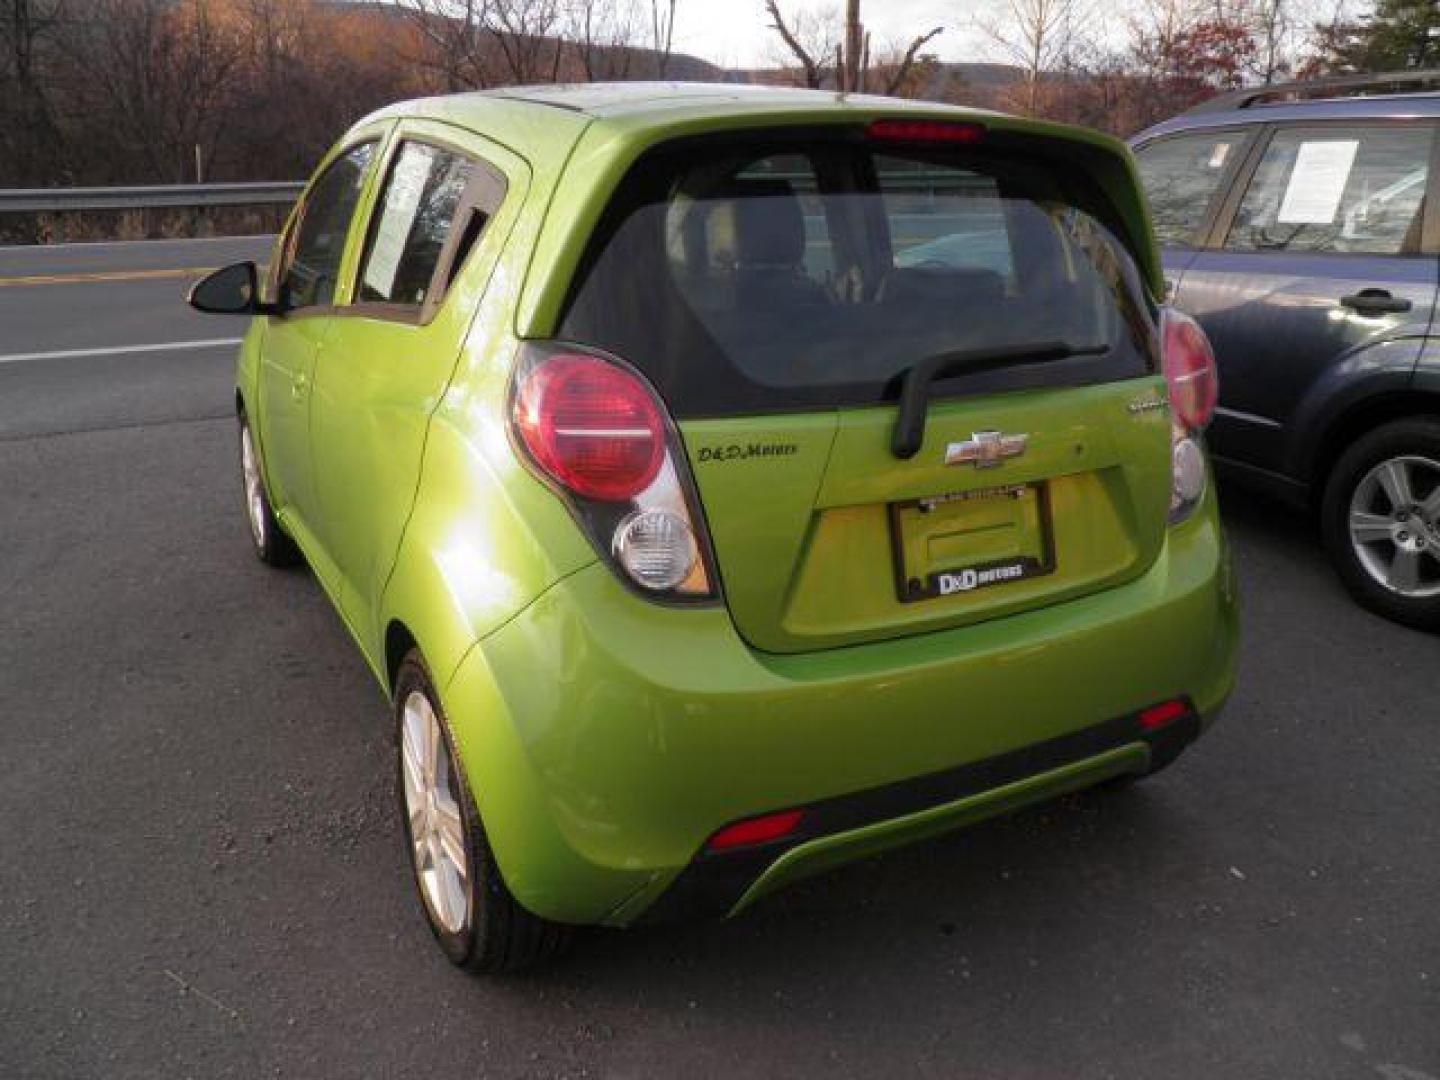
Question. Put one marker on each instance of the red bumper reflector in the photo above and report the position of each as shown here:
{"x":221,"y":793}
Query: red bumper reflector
{"x":1157,"y":716}
{"x":756,"y":830}
{"x":925,"y":131}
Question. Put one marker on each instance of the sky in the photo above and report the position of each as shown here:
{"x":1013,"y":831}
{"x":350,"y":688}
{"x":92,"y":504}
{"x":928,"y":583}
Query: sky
{"x":736,"y":33}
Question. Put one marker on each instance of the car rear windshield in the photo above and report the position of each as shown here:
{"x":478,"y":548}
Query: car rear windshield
{"x":781,"y":274}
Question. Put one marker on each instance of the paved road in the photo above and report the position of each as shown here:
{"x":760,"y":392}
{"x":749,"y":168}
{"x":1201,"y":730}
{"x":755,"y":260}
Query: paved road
{"x":85,"y":308}
{"x":202,"y":872}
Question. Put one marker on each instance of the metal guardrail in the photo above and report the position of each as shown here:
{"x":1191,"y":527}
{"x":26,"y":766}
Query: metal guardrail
{"x":30,"y":200}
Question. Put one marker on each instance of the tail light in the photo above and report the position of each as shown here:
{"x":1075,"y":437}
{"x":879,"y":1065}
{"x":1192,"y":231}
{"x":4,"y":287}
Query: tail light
{"x":1194,"y":388}
{"x":1189,"y":370}
{"x":595,"y":430}
{"x":591,"y":426}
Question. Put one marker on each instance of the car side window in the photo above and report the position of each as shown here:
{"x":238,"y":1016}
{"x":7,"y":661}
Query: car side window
{"x":434,"y":206}
{"x":1337,"y":189}
{"x":317,"y":244}
{"x":1181,"y":176}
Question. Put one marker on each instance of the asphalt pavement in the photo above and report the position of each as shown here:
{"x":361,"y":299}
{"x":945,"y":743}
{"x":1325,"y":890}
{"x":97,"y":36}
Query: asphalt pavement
{"x":203,"y":874}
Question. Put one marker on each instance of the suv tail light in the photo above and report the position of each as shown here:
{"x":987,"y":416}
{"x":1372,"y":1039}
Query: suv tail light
{"x":1189,"y":370}
{"x":1194,"y":388}
{"x":596,"y":432}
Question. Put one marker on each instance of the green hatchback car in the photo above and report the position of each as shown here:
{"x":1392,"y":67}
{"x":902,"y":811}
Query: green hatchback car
{"x":725,"y":483}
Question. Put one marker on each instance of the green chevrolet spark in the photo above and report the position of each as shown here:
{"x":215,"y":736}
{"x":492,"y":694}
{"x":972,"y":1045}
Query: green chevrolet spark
{"x":726,"y":483}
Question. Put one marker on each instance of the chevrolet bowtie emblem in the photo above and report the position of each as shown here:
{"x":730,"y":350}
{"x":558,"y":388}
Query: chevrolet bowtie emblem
{"x":986,"y":449}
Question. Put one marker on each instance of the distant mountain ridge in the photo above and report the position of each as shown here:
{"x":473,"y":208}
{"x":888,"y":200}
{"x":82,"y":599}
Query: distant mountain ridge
{"x":636,"y":62}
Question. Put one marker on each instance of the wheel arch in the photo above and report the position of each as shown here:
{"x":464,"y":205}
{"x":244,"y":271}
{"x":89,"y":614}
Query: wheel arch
{"x":1357,"y":420}
{"x":478,"y":548}
{"x":399,"y":643}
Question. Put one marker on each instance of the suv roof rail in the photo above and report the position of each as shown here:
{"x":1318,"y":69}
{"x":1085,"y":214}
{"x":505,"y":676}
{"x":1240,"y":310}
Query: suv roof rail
{"x":1393,"y":82}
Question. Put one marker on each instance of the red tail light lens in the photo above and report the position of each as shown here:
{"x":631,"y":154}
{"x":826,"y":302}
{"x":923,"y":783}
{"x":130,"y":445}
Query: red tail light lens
{"x":758,"y":830}
{"x":1159,"y":716}
{"x":592,"y":426}
{"x":925,"y":131}
{"x":1190,"y":371}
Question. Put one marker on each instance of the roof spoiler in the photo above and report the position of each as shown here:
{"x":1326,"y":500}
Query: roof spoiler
{"x":1389,"y":82}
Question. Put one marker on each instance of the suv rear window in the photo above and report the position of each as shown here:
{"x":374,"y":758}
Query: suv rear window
{"x":785,"y":274}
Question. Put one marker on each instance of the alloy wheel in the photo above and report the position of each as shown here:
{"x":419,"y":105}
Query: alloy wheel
{"x":1394,"y":525}
{"x":432,"y":804}
{"x":254,"y":487}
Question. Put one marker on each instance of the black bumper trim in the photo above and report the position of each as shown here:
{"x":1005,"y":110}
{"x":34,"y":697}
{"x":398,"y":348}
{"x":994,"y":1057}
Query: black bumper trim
{"x":714,"y":881}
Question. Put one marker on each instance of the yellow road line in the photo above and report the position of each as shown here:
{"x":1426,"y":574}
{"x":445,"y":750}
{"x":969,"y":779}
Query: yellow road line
{"x":112,"y":275}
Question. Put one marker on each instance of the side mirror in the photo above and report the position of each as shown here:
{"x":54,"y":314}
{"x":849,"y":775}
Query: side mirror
{"x":231,"y":290}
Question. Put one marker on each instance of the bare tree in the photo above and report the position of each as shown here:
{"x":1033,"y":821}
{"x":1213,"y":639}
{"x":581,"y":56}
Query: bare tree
{"x":1287,"y":35}
{"x":1270,"y":22}
{"x":454,"y":35}
{"x":602,"y":33}
{"x":28,"y":132}
{"x":662,"y":34}
{"x":810,"y":39}
{"x":158,"y":78}
{"x":23,"y":26}
{"x":477,"y":43}
{"x":813,"y":41}
{"x":524,"y":32}
{"x":1154,"y":29}
{"x":899,"y":72}
{"x":1036,"y":35}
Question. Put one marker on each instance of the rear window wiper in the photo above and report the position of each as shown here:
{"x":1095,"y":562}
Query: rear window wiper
{"x":915,"y":383}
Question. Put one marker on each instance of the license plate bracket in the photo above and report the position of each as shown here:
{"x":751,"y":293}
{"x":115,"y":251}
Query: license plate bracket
{"x":961,"y":542}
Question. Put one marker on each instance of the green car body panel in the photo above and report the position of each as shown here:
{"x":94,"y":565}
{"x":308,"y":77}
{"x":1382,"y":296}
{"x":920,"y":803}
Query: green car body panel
{"x":605,"y":737}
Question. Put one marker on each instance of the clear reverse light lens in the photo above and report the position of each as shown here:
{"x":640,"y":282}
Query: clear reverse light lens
{"x":1193,"y":386}
{"x":656,"y":548}
{"x":1187,"y":476}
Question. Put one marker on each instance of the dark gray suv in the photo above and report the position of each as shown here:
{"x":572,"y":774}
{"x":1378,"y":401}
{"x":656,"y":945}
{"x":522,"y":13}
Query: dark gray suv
{"x":1300,"y":224}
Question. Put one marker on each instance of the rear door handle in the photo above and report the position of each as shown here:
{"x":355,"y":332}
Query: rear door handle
{"x":297,"y":385}
{"x":1375,"y":302}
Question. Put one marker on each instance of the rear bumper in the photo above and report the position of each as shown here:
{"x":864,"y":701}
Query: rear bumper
{"x":840,"y":830}
{"x":607,"y":738}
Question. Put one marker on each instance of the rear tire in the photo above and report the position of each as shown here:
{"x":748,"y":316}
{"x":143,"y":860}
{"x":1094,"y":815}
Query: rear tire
{"x":1380,"y":518}
{"x":272,"y":546}
{"x":478,"y":923}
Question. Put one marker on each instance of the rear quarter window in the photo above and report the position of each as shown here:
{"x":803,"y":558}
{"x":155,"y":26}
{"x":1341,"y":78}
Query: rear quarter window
{"x":786,"y":274}
{"x":415,"y":213}
{"x":1182,"y":174}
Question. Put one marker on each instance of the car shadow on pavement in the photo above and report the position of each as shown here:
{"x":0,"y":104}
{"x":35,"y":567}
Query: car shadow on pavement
{"x":952,"y":935}
{"x":1077,"y":937}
